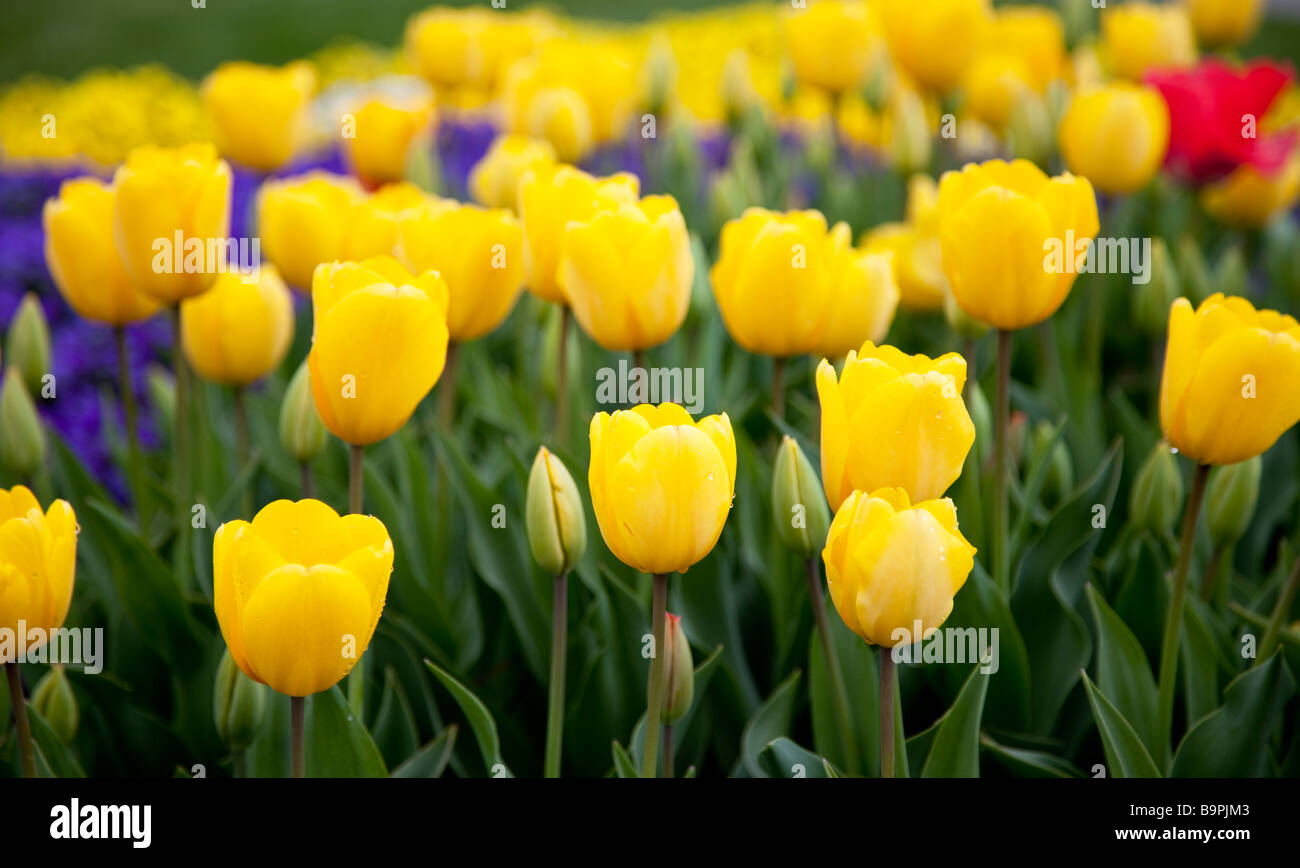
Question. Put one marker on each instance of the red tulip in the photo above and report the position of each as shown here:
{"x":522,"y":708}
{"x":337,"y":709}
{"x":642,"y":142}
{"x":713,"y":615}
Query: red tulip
{"x":1215,"y":112}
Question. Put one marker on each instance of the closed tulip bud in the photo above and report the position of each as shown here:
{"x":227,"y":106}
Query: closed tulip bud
{"x":1224,"y":23}
{"x":1000,"y":227}
{"x":1030,"y":130}
{"x":306,"y":220}
{"x":962,"y":324}
{"x":910,"y":139}
{"x":775,"y":279}
{"x":239,"y":330}
{"x":82,"y":255}
{"x":1059,"y":481}
{"x":562,"y":117}
{"x":259,"y":113}
{"x":162,"y":392}
{"x":831,"y":43}
{"x":27,"y":346}
{"x":301,"y":432}
{"x":549,"y":197}
{"x":494,"y":180}
{"x":1228,"y":390}
{"x":866,"y":297}
{"x":1151,"y":300}
{"x":918,"y":264}
{"x":661,"y":484}
{"x":1157,"y":495}
{"x":450,"y":47}
{"x":238,"y":705}
{"x":298,"y":592}
{"x":798,"y":501}
{"x":1250,"y":198}
{"x":890,"y":564}
{"x":679,"y":674}
{"x":994,"y":84}
{"x":22,"y":439}
{"x":1116,"y":136}
{"x":660,"y":73}
{"x":384,"y":132}
{"x":935,"y":42}
{"x":379,"y":345}
{"x":627,"y":273}
{"x":1137,"y":37}
{"x":38,"y":558}
{"x":1196,"y":282}
{"x":172,"y":207}
{"x":55,"y":702}
{"x":557,"y":526}
{"x":738,"y":93}
{"x":1230,"y":499}
{"x":891,"y":419}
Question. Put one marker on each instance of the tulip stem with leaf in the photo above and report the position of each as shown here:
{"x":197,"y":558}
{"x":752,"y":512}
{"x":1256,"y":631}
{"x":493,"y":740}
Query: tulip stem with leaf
{"x":1001,"y":416}
{"x":1174,"y":615}
{"x":778,"y":387}
{"x":242,"y":450}
{"x":654,"y":699}
{"x":135,"y":465}
{"x":833,"y":671}
{"x":555,"y":696}
{"x":886,"y":712}
{"x":181,"y":432}
{"x":1280,"y":611}
{"x":447,"y":388}
{"x":562,"y":378}
{"x":297,"y":752}
{"x":19,"y":705}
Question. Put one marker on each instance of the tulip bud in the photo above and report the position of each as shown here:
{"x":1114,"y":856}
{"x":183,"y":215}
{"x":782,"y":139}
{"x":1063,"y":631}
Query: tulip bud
{"x":162,"y":392}
{"x":798,"y":501}
{"x":680,"y":671}
{"x":1195,"y":274}
{"x":28,"y":343}
{"x":1230,"y":276}
{"x":557,"y":526}
{"x":1030,"y":128}
{"x":22,"y":440}
{"x":963,"y":324}
{"x":55,"y":702}
{"x":301,"y":431}
{"x":910,"y":147}
{"x":1151,"y":300}
{"x":1158,"y":491}
{"x":238,"y":703}
{"x":1230,"y":499}
{"x":660,"y":74}
{"x":1059,"y":481}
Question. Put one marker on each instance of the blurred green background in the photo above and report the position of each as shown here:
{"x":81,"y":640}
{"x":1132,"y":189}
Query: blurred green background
{"x":77,"y":35}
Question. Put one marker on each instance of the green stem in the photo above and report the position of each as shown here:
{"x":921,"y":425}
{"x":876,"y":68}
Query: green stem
{"x":668,"y":750}
{"x":562,"y":378}
{"x":1210,"y":581}
{"x":181,"y":429}
{"x":304,"y":479}
{"x":886,"y":712}
{"x":1001,"y":414}
{"x":243,"y":451}
{"x":1174,"y":616}
{"x":19,"y":706}
{"x":555,"y":702}
{"x":356,"y":477}
{"x":654,"y":700}
{"x":297,"y":753}
{"x":447,"y":389}
{"x":838,"y":689}
{"x":778,"y":387}
{"x":135,"y":466}
{"x":1279,"y":614}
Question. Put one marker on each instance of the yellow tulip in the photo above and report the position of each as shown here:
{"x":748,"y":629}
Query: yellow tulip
{"x":893,"y":420}
{"x":378,"y":217}
{"x":448,"y":46}
{"x":1229,"y":386}
{"x":239,"y":330}
{"x":306,"y":220}
{"x":477,"y":251}
{"x":1034,"y":35}
{"x":494,"y":180}
{"x":1248,"y":197}
{"x":259,"y":113}
{"x":831,"y":43}
{"x":38,"y":561}
{"x":1116,"y":136}
{"x":1137,"y":37}
{"x":999,"y":224}
{"x":1223,"y":23}
{"x":298,"y":592}
{"x":775,"y":279}
{"x":549,"y":197}
{"x":914,"y":245}
{"x":378,"y":346}
{"x":627,"y":273}
{"x":83,"y":259}
{"x":891,"y":563}
{"x":165,"y":196}
{"x":661,"y":484}
{"x":560,"y":116}
{"x":935,"y":41}
{"x":383,"y":136}
{"x":866,"y":297}
{"x":994,"y":84}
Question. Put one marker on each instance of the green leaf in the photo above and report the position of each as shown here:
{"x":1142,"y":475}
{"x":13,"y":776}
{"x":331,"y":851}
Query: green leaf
{"x":1126,"y":756}
{"x":335,"y":743}
{"x":54,"y":759}
{"x":1029,"y":763}
{"x":771,"y":721}
{"x":1123,"y":673}
{"x":1235,"y":740}
{"x":480,"y":720}
{"x":394,"y":728}
{"x":782,"y":758}
{"x":955,"y":752}
{"x":624,"y":767}
{"x":431,"y":760}
{"x":861,"y":683}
